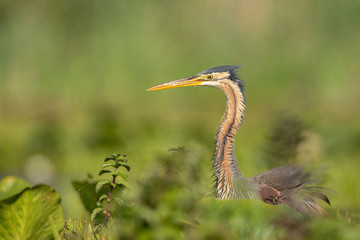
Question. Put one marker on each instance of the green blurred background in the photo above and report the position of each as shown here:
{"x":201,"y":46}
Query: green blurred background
{"x":73,"y":76}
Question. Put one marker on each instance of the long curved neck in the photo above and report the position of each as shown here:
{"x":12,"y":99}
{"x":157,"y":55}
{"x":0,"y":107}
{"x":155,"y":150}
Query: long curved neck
{"x":224,"y":163}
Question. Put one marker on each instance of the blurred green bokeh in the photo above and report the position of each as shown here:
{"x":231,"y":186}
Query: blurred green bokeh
{"x":73,"y":76}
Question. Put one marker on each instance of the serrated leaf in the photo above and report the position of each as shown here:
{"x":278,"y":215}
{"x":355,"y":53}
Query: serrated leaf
{"x":109,"y":158}
{"x":125,"y":166}
{"x":101,"y":199}
{"x":105,"y":165}
{"x":123,"y":160}
{"x":120,"y":186}
{"x":95,"y":212}
{"x":122,"y":175}
{"x":11,"y":185}
{"x":119,"y":164}
{"x":31,"y":215}
{"x":100,"y":185}
{"x":103,"y":172}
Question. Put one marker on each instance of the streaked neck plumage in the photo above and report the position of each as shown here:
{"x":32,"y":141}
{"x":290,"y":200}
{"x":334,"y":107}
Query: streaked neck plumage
{"x":224,"y":163}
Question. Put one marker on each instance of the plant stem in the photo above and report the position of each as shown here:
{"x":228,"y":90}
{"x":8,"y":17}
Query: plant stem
{"x":107,"y":214}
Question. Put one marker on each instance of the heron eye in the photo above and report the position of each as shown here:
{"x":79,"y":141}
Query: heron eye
{"x":209,"y":77}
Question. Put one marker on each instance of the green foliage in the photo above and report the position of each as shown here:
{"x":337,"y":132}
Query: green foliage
{"x":164,"y":205}
{"x":118,"y":162}
{"x":10,"y":186}
{"x":80,"y":229}
{"x":98,"y":196}
{"x":100,"y":185}
{"x":34,"y":213}
{"x":87,"y":193}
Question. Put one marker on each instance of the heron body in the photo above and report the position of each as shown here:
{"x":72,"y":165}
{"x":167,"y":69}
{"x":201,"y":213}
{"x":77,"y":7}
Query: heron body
{"x":283,"y":185}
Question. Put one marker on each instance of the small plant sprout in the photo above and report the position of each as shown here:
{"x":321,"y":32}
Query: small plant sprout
{"x":111,"y":167}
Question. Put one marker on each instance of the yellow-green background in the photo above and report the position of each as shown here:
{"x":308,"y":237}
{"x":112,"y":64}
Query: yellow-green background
{"x":73,"y":76}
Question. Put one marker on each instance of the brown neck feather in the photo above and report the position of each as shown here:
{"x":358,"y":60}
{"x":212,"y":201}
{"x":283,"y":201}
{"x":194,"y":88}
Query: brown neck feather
{"x":224,"y":164}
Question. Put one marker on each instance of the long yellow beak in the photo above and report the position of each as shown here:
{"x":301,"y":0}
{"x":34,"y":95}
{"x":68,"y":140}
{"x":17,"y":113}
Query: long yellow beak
{"x":185,"y":82}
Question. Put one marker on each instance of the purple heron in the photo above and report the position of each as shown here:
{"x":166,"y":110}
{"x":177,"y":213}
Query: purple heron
{"x":289,"y":184}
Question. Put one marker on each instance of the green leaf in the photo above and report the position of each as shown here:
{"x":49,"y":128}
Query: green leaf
{"x":86,"y":191}
{"x":11,"y":186}
{"x":103,"y":172}
{"x":112,"y":157}
{"x":100,"y":185}
{"x":105,"y":165}
{"x":126,"y":166}
{"x":120,"y":186}
{"x":123,"y":159}
{"x":101,"y":199}
{"x":95,"y":212}
{"x":87,"y":194}
{"x":55,"y":231}
{"x":31,"y":215}
{"x":123,"y":175}
{"x":119,"y":164}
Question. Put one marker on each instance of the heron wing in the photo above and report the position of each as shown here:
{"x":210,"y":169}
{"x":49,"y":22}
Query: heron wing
{"x":289,"y":185}
{"x":283,"y":178}
{"x":303,"y":200}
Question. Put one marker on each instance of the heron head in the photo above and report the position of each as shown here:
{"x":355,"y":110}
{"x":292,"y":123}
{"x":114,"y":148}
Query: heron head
{"x":213,"y":77}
